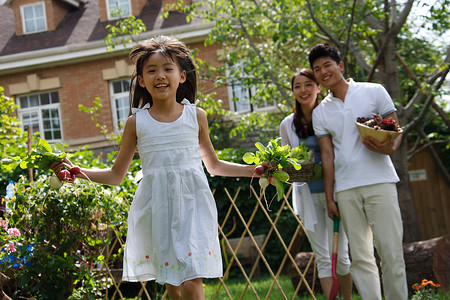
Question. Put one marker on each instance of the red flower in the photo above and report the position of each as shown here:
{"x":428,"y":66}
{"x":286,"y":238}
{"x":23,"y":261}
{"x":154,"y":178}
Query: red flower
{"x":424,"y":283}
{"x":209,"y":252}
{"x":167,"y":264}
{"x":189,"y":253}
{"x":147,"y":257}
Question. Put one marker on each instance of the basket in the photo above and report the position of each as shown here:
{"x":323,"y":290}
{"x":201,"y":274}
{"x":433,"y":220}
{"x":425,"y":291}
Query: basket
{"x":305,"y":174}
{"x":379,"y":134}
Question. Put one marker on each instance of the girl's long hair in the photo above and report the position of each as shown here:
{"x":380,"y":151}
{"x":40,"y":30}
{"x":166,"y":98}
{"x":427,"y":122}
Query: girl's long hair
{"x":177,"y":52}
{"x":299,"y":127}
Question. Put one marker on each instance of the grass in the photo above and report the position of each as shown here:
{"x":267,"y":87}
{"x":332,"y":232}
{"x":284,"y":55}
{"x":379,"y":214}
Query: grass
{"x":261,"y":285}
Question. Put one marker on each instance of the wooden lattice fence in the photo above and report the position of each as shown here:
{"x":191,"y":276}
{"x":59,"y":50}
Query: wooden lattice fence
{"x":247,"y":265}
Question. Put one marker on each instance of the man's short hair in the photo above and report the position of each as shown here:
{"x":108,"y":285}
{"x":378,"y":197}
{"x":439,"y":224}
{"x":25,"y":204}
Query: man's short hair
{"x":323,"y":50}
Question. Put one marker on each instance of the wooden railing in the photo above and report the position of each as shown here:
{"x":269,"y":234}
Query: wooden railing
{"x":244,"y":252}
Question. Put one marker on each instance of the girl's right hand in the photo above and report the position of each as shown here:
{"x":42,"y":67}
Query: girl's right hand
{"x":57,"y":166}
{"x":66,"y":170}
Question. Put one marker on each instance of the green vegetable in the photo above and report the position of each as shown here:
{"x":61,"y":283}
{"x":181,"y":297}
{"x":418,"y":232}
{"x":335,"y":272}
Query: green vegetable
{"x":41,"y":157}
{"x":301,"y":153}
{"x":276,"y":157}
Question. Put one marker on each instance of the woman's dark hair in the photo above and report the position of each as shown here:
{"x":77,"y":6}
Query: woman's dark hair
{"x":168,"y":47}
{"x":299,"y":128}
{"x":323,"y":50}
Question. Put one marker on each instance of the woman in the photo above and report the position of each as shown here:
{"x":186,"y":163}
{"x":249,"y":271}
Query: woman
{"x":309,"y":199}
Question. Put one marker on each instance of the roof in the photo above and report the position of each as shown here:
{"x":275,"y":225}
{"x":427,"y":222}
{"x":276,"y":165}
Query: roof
{"x":81,"y":34}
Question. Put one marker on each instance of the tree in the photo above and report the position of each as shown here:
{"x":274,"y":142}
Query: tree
{"x":379,"y":43}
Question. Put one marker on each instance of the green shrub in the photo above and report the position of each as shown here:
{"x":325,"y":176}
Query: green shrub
{"x":67,"y":231}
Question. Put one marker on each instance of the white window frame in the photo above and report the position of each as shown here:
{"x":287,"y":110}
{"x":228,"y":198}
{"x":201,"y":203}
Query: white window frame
{"x":109,"y":10}
{"x":24,"y":28}
{"x":246,"y":100}
{"x":39,"y":109}
{"x":114,"y":108}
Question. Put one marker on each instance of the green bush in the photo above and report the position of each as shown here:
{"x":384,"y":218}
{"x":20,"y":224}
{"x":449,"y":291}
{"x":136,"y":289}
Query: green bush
{"x":13,"y":141}
{"x":67,"y":231}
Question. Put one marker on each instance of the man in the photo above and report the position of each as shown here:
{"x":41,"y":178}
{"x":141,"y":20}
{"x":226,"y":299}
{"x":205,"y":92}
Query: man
{"x":361,"y":175}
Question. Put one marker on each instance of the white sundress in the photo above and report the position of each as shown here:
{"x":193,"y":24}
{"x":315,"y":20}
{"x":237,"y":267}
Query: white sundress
{"x":172,"y":223}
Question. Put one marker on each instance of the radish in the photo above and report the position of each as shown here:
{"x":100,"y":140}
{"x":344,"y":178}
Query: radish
{"x":272,"y":180}
{"x":75,"y":170}
{"x":54,"y":182}
{"x":65,"y":175}
{"x":263,"y":183}
{"x":260,"y":170}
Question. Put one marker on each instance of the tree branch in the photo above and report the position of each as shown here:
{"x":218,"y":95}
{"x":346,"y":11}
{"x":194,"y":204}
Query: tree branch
{"x":408,"y":70}
{"x":435,"y":156}
{"x":418,"y":96}
{"x":429,"y":143}
{"x":359,"y":57}
{"x":321,"y":27}
{"x":427,"y":104}
{"x":397,"y":25}
{"x":390,"y":33}
{"x":441,"y":113}
{"x":347,"y":42}
{"x":262,"y":60}
{"x":437,"y":73}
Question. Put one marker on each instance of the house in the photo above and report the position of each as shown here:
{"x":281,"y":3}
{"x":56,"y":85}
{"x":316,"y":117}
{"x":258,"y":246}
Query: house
{"x":53,"y":57}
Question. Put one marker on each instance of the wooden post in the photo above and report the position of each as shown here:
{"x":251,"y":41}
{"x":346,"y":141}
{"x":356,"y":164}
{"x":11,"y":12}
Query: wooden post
{"x":30,"y":170}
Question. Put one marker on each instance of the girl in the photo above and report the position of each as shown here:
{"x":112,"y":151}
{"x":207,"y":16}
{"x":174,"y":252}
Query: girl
{"x":309,"y":199}
{"x":172,"y":223}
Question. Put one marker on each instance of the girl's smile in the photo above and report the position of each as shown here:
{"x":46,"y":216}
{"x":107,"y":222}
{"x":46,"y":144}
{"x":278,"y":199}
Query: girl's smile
{"x":161,"y":76}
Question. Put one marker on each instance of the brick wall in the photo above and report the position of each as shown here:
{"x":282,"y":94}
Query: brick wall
{"x":56,"y":11}
{"x":210,"y":54}
{"x":80,"y":84}
{"x":136,"y":6}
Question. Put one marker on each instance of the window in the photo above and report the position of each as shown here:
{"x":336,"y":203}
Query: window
{"x":120,"y":102}
{"x":33,"y":17}
{"x":241,"y":95}
{"x":118,"y":8}
{"x":41,"y":113}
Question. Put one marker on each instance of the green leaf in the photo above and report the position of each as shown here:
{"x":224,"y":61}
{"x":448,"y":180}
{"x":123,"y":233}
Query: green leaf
{"x":260,"y":147}
{"x":280,"y":188}
{"x":24,"y":279}
{"x":295,"y":164}
{"x":249,"y":158}
{"x":43,"y":146}
{"x":10,"y":163}
{"x":281,"y":175}
{"x":25,"y":165}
